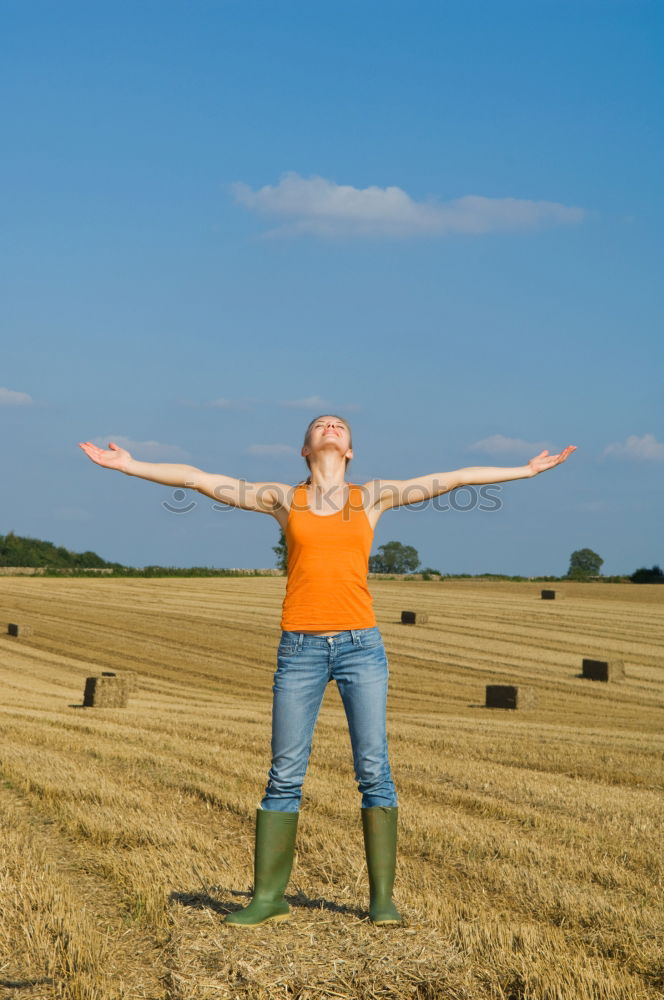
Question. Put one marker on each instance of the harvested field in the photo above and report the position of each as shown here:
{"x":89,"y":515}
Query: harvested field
{"x":530,"y":863}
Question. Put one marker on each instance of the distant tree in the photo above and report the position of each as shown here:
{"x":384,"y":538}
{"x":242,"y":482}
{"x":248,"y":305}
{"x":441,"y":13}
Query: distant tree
{"x":18,"y":551}
{"x":393,"y":557}
{"x":643,"y":575}
{"x":281,"y":552}
{"x":583,"y":564}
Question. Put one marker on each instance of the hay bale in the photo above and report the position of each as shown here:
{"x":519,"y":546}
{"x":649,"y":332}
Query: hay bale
{"x":19,"y":630}
{"x":603,"y":670}
{"x":510,"y":696}
{"x":413,"y":618}
{"x":129,"y":676}
{"x":131,"y":679}
{"x":548,"y":595}
{"x":106,"y":692}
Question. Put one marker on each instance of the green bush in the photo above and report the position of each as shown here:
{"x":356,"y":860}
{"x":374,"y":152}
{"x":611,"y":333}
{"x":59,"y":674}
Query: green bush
{"x":643,"y":575}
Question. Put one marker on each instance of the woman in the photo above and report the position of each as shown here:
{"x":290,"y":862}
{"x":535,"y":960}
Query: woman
{"x":329,"y":632}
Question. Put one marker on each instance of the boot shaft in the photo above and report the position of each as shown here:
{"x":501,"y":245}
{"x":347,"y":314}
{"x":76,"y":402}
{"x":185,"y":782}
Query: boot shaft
{"x":274,"y":851}
{"x":273,"y":861}
{"x":379,"y":826}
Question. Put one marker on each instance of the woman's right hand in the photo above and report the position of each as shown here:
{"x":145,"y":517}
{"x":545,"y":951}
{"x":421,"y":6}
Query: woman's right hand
{"x":114,"y":457}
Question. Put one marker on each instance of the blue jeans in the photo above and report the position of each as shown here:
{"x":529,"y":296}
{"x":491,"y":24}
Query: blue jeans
{"x":306,"y":663}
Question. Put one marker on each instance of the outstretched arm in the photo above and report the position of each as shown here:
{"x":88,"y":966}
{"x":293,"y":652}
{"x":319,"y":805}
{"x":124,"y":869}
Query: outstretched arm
{"x":265,"y":498}
{"x":479,"y":475}
{"x":397,"y":492}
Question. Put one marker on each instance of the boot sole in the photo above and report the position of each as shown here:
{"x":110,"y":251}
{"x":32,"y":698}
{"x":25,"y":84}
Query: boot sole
{"x":259,"y":923}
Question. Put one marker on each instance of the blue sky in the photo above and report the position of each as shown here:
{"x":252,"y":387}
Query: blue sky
{"x":440,"y":220}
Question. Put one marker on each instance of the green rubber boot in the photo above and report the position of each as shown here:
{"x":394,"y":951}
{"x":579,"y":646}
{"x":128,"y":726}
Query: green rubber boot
{"x":273,"y":861}
{"x":379,"y":824}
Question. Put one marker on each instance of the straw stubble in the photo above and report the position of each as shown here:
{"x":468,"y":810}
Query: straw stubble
{"x":529,"y":859}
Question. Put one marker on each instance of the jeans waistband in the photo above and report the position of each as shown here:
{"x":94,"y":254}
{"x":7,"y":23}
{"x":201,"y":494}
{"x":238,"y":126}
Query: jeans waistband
{"x":353,"y":635}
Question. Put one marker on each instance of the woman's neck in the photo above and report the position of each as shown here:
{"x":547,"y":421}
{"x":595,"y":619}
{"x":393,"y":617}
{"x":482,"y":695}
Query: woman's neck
{"x":327,"y":474}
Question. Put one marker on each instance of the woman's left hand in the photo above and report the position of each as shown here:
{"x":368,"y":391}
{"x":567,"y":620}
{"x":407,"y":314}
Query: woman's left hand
{"x":544,"y":461}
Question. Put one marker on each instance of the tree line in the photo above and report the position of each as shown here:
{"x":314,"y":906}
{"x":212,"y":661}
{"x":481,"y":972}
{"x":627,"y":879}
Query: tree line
{"x":392,"y":558}
{"x":18,"y":551}
{"x":398,"y":559}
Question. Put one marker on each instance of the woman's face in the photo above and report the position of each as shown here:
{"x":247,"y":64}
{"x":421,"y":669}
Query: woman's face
{"x":327,"y":432}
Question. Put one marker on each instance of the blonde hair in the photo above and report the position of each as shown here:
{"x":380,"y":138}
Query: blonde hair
{"x":307,"y":437}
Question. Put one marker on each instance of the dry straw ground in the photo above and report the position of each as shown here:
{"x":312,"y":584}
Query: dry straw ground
{"x":529,"y":865}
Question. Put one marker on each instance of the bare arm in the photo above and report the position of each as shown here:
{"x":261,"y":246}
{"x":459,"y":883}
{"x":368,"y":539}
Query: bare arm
{"x":265,"y":498}
{"x":388,"y":493}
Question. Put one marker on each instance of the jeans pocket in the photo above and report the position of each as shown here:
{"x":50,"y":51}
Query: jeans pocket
{"x":371,"y":638}
{"x":287,"y":649}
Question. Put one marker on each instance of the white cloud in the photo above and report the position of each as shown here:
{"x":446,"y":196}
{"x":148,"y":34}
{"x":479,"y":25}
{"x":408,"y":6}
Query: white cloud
{"x":144,"y":450}
{"x":646,"y":448}
{"x":498,"y":444}
{"x":229,"y":404}
{"x":321,"y":207}
{"x":221,"y":403}
{"x":308,"y":403}
{"x":8,"y":397}
{"x":272,"y":450}
{"x":322,"y":405}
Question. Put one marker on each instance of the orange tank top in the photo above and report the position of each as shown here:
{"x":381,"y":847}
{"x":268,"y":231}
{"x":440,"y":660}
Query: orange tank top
{"x":328,"y":559}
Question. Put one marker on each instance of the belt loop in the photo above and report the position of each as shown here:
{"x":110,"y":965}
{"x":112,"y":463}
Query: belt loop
{"x":300,"y":640}
{"x":355,"y":636}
